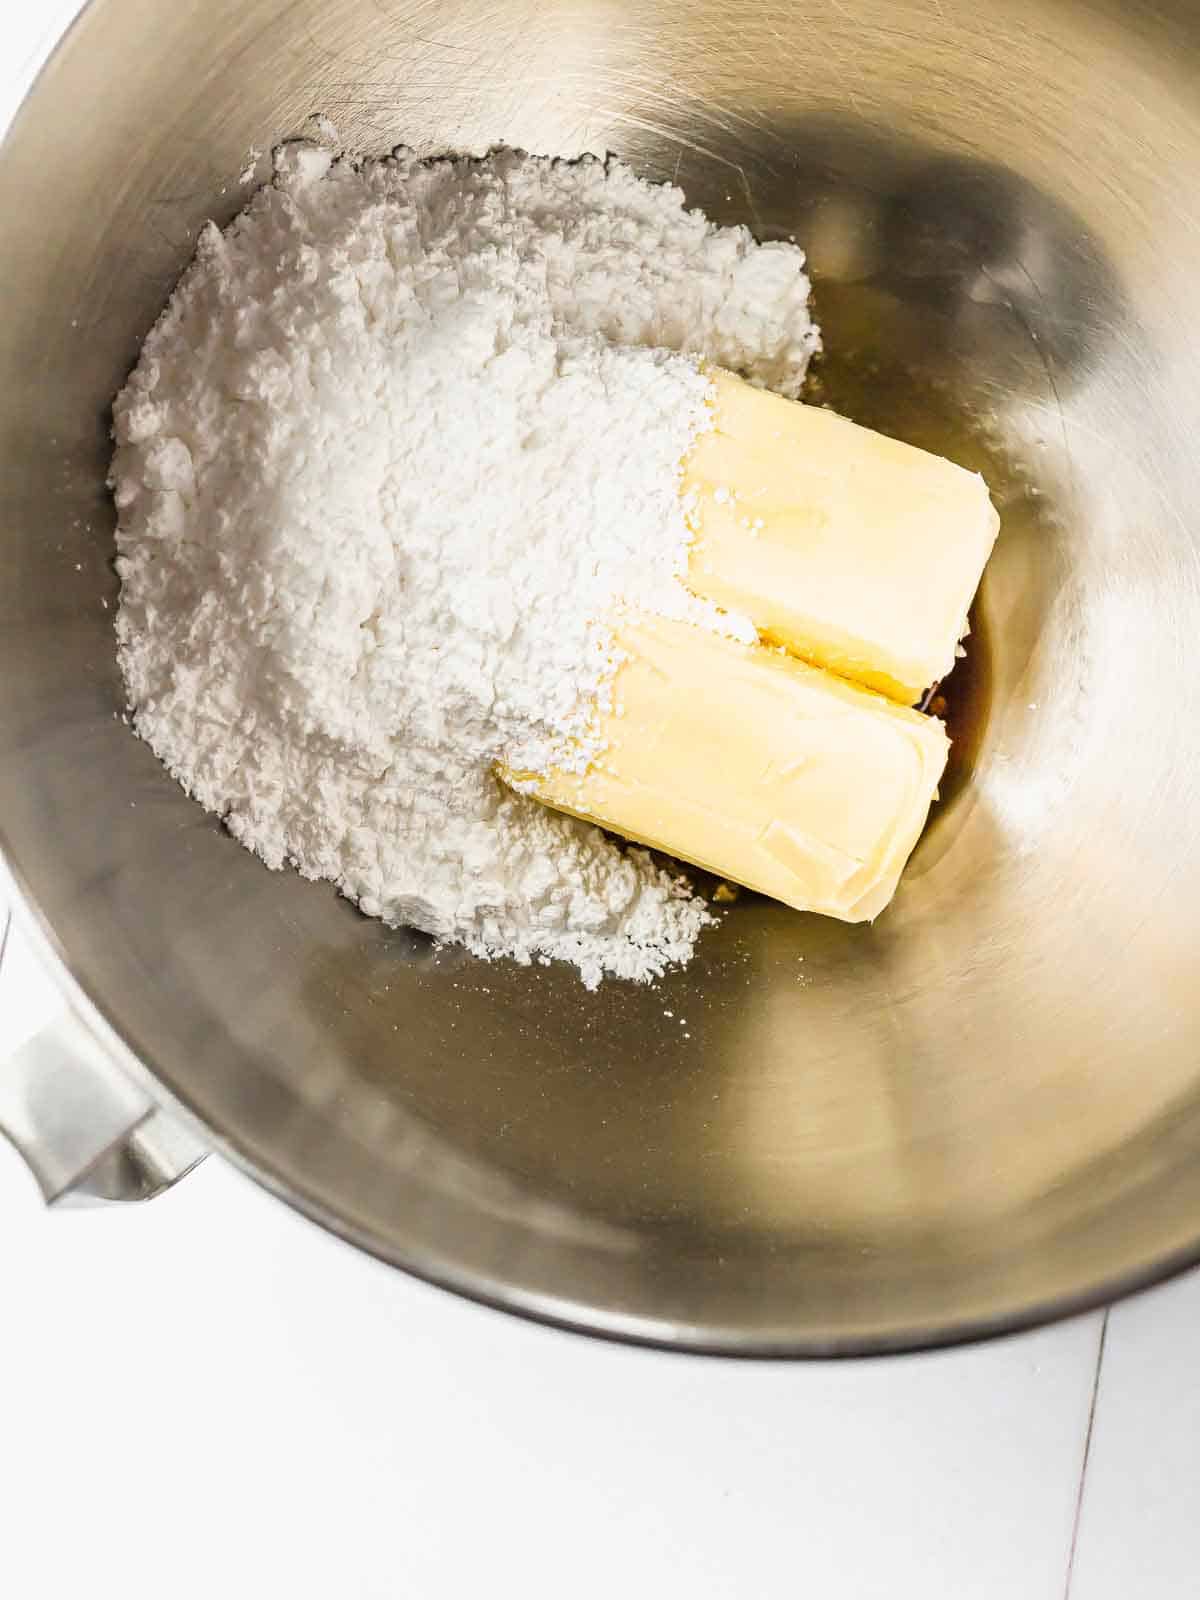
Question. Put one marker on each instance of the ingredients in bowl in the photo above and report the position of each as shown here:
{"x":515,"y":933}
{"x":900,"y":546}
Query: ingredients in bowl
{"x":431,"y":476}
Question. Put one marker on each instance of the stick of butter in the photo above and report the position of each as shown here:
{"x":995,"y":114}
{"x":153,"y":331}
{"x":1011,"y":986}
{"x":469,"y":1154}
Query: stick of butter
{"x":757,"y":766}
{"x":852,"y":550}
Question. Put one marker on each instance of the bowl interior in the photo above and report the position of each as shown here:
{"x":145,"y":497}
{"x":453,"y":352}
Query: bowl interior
{"x":978,"y":1111}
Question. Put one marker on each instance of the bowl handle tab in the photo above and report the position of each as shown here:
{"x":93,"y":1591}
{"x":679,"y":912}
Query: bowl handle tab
{"x":89,"y":1135}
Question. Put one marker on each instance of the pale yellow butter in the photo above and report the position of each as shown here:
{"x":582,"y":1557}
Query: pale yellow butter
{"x":854,"y":551}
{"x":759,"y":767}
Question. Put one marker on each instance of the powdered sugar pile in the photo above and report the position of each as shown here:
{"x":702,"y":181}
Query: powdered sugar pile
{"x":405,"y":439}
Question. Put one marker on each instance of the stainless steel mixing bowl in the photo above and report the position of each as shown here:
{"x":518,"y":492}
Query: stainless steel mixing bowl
{"x":980,"y":1112}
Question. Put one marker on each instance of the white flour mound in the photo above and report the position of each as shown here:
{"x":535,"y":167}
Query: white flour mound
{"x":406,"y":438}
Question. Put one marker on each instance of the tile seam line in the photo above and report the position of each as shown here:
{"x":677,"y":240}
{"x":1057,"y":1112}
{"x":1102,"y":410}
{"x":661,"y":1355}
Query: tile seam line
{"x":1087,"y":1451}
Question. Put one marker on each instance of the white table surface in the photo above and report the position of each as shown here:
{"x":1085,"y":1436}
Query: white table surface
{"x":208,"y":1396}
